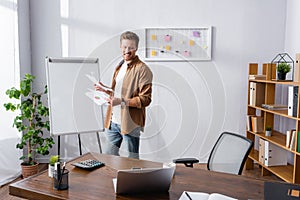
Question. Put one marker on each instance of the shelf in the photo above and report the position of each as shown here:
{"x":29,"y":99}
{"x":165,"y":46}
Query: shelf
{"x":277,"y":138}
{"x":283,"y":113}
{"x":275,"y":82}
{"x":285,"y":172}
{"x":265,"y":93}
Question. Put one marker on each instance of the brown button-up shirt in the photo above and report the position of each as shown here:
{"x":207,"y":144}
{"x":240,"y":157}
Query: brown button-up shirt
{"x":136,"y":89}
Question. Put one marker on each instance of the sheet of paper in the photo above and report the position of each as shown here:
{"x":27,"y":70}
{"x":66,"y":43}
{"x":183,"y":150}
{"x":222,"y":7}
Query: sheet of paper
{"x":96,"y":82}
{"x":115,"y":184}
{"x":204,"y":196}
{"x":98,"y":97}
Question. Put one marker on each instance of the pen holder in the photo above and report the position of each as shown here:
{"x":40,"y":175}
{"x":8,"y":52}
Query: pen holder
{"x":61,"y":182}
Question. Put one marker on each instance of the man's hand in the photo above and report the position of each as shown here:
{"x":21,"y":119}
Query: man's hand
{"x":114,"y":101}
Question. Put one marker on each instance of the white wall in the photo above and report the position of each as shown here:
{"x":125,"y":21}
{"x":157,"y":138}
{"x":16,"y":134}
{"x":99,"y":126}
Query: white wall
{"x":192,"y":101}
{"x":292,"y":31}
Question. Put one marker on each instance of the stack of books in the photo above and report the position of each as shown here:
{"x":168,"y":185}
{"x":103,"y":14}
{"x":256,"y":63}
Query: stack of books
{"x":257,"y":77}
{"x":274,"y":106}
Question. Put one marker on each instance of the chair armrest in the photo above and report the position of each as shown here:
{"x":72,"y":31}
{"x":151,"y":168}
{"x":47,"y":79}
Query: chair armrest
{"x":188,"y":162}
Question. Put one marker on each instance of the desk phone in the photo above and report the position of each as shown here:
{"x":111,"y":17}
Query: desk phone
{"x":88,"y":164}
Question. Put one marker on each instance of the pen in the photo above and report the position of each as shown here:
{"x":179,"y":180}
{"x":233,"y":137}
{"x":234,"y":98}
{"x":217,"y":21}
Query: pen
{"x":187,"y":194}
{"x":62,"y":173}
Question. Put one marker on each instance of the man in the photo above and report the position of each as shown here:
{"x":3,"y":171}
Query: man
{"x":132,"y":88}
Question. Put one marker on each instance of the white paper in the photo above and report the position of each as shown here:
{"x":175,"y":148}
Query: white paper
{"x":98,"y":97}
{"x":96,"y":82}
{"x":115,"y":184}
{"x":204,"y":196}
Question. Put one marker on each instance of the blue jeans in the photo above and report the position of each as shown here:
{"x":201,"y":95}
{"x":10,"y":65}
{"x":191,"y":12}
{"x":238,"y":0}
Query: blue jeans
{"x":115,"y":138}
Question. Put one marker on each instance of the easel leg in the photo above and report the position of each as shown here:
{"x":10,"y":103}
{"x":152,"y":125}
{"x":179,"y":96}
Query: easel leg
{"x":99,"y":142}
{"x":58,"y":145}
{"x":79,"y":143}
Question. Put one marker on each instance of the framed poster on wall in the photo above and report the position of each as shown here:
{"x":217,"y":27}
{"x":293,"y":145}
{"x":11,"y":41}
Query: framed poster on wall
{"x":178,"y":44}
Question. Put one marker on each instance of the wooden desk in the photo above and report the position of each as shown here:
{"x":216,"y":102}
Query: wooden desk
{"x":97,"y":184}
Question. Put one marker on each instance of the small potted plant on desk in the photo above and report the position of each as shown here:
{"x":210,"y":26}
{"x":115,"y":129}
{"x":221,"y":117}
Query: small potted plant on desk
{"x":268,"y":131}
{"x":282,"y":69}
{"x":52,"y":161}
{"x":32,"y":121}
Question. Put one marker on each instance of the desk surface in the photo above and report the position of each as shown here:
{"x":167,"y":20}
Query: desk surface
{"x":97,"y":184}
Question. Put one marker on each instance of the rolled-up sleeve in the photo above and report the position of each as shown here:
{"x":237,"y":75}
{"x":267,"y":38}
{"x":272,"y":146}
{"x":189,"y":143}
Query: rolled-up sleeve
{"x":143,"y":99}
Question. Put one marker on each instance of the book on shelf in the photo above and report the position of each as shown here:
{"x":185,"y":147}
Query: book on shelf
{"x":292,"y":100}
{"x":249,"y":123}
{"x":274,"y":106}
{"x":288,"y":138}
{"x":257,"y":124}
{"x":257,"y":94}
{"x":257,"y":77}
{"x":293,"y":140}
{"x":274,"y":155}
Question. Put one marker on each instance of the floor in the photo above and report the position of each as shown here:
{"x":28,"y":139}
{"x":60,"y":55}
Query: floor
{"x":4,"y":193}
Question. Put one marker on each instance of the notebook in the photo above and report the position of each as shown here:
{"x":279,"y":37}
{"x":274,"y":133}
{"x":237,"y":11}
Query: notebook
{"x":135,"y":181}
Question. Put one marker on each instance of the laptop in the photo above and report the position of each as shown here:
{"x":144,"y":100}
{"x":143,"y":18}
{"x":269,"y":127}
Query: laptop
{"x":281,"y":190}
{"x":144,"y":180}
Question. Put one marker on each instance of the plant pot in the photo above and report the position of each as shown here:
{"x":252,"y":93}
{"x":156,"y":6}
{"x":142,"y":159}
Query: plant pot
{"x":281,"y":76}
{"x":268,"y":133}
{"x":29,"y":170}
{"x":50,"y":170}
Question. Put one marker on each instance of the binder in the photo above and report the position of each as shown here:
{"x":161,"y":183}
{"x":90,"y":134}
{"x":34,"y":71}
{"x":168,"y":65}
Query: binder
{"x":257,"y":94}
{"x":297,"y":68}
{"x":251,"y":101}
{"x":274,"y":155}
{"x":261,"y":150}
{"x":292,"y":100}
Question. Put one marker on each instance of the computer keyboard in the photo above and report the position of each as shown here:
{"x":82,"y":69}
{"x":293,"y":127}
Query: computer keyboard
{"x":88,"y":164}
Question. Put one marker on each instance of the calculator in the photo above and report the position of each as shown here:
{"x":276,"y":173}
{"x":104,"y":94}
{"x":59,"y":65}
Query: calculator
{"x":88,"y":164}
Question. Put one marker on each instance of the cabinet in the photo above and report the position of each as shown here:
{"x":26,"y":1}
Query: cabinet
{"x":289,"y":173}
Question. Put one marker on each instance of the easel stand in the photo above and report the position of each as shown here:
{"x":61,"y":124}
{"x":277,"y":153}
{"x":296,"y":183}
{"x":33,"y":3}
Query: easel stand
{"x":79,"y":143}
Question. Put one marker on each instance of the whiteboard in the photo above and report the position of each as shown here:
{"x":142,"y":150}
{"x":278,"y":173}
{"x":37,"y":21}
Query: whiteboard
{"x":178,"y":44}
{"x":71,"y":111}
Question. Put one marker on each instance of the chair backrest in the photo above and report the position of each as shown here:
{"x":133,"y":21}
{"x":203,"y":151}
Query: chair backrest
{"x":229,"y":153}
{"x":281,"y":190}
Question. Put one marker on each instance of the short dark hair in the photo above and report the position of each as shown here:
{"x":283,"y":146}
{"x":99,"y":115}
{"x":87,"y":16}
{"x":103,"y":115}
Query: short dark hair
{"x":128,"y":35}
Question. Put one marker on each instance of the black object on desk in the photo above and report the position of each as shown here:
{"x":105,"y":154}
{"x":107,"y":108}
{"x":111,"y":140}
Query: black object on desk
{"x":88,"y":164}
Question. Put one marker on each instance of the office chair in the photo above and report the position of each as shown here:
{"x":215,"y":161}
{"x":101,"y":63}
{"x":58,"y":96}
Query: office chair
{"x":228,"y":155}
{"x":281,"y":190}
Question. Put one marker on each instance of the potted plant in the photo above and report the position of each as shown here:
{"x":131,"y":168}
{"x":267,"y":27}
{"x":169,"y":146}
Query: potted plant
{"x":52,"y":161}
{"x":268,"y":131}
{"x":32,"y":121}
{"x":282,"y":69}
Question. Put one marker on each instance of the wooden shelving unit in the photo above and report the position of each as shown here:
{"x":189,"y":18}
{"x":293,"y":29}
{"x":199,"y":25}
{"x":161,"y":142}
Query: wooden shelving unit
{"x":288,"y":173}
